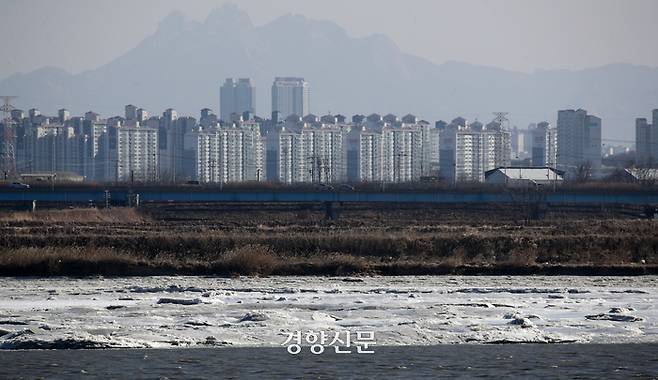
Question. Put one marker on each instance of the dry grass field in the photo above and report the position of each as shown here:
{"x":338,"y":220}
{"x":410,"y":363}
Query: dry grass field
{"x":297,"y":239}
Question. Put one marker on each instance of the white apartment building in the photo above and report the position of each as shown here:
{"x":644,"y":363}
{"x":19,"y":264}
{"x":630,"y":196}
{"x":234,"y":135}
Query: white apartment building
{"x":55,"y":148}
{"x":370,"y":156}
{"x":397,"y":151}
{"x":137,"y":154}
{"x":225,"y":154}
{"x":578,"y":140}
{"x":313,"y":153}
{"x":95,"y":132}
{"x":468,"y":151}
{"x":403,"y":156}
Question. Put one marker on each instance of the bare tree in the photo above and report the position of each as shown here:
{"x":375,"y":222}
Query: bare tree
{"x":583,"y":172}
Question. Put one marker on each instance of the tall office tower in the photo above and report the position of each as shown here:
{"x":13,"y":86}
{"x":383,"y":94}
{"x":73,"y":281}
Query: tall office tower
{"x":646,"y":141}
{"x":224,"y":154}
{"x":63,"y":115}
{"x":236,"y":97}
{"x":544,"y":144}
{"x":468,"y":151}
{"x":290,"y":96}
{"x":578,"y":140}
{"x":137,"y":154}
{"x":643,"y":142}
{"x":131,"y":112}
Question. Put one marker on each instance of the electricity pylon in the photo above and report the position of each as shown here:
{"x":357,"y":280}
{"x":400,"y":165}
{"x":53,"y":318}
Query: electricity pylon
{"x":7,"y":153}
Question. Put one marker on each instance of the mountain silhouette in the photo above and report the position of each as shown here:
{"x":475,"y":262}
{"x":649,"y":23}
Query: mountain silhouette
{"x":184,"y":62}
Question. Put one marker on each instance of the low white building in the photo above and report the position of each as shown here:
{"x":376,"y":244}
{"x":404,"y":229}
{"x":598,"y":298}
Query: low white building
{"x":524,"y":176}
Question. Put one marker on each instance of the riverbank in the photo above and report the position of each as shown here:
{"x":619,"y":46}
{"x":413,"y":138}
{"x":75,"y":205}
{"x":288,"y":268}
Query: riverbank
{"x":262,"y":241}
{"x":257,"y":261}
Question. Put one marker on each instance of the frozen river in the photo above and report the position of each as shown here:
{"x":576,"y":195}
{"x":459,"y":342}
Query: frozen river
{"x":164,"y":312}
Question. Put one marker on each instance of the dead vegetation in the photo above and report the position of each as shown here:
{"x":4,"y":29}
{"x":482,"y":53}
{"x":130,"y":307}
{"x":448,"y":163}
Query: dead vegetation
{"x":75,"y":215}
{"x":127,"y":242}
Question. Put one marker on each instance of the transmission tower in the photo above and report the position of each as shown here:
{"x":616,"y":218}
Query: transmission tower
{"x":7,"y":152}
{"x":501,"y":118}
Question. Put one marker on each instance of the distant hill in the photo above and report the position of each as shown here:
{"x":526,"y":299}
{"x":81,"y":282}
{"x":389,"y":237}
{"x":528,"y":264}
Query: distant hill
{"x":183,"y":64}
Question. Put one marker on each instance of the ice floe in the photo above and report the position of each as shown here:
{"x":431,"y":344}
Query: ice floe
{"x":183,"y":311}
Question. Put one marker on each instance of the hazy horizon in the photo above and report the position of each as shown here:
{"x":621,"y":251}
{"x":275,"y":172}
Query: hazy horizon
{"x":515,"y":35}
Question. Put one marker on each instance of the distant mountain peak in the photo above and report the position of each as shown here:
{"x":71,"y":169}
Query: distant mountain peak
{"x":228,"y":16}
{"x":174,"y":21}
{"x":183,"y":63}
{"x":295,"y":23}
{"x":382,"y":41}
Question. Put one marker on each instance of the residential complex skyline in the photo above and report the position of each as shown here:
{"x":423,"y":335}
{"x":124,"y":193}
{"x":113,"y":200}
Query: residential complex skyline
{"x":292,"y":149}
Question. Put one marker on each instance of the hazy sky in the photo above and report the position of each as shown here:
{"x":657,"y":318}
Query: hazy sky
{"x":523,"y":35}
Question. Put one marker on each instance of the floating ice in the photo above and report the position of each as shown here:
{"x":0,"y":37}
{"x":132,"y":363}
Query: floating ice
{"x":180,"y":301}
{"x":453,"y":309}
{"x":253,"y":317}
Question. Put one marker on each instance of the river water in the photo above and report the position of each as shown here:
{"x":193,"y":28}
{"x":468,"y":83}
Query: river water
{"x":584,"y":361}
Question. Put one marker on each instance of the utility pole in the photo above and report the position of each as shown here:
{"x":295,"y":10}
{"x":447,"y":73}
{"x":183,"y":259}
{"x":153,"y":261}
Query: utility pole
{"x":212,"y":171}
{"x":53,"y":148}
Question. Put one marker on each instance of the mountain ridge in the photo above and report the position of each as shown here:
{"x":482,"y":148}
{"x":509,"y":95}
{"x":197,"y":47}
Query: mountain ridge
{"x":184,"y":62}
